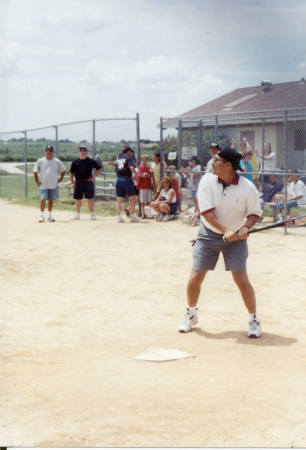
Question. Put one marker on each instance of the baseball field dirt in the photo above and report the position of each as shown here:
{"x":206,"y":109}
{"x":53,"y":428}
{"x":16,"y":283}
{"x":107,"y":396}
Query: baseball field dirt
{"x":81,"y":299}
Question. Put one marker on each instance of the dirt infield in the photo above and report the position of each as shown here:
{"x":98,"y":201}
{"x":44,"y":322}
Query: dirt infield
{"x":81,"y":299}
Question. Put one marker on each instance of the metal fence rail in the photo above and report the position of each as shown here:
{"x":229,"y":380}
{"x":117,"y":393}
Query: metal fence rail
{"x":109,"y":128}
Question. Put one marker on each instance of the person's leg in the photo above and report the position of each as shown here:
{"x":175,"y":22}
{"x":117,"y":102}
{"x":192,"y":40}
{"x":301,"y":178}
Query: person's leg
{"x":132,"y":203}
{"x":156,"y":207}
{"x":42,"y":206}
{"x":165,"y":209}
{"x":119,"y":202}
{"x":50,"y":205}
{"x":78,"y":205}
{"x":90,"y":202}
{"x":246,"y":289}
{"x":194,"y":286}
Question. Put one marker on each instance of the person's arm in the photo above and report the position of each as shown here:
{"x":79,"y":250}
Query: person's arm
{"x":62,"y":174}
{"x":35,"y":174}
{"x":72,"y":175}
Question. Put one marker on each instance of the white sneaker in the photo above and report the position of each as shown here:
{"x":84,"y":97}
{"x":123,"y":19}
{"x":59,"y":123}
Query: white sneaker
{"x":166,"y":218}
{"x":76,"y":216}
{"x":188,"y":321}
{"x":280,"y":218}
{"x":133,"y":218}
{"x":120,"y":219}
{"x":254,"y":328}
{"x":93,"y":216}
{"x":51,"y":219}
{"x":148,"y":211}
{"x":41,"y":219}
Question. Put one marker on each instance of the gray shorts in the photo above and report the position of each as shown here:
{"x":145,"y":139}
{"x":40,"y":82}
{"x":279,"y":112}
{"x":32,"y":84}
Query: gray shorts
{"x":208,"y":247}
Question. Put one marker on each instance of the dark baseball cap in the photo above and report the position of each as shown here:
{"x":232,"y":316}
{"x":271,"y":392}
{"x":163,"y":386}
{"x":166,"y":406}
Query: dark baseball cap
{"x":231,"y":155}
{"x":127,"y":149}
{"x":49,"y":147}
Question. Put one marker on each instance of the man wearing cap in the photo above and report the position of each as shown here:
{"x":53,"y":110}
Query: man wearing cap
{"x":213,"y":150}
{"x":82,"y":177}
{"x":229,"y":207}
{"x":124,"y":184}
{"x":51,"y":171}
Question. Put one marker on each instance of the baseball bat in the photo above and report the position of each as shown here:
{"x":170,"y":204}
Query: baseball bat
{"x":293,"y":221}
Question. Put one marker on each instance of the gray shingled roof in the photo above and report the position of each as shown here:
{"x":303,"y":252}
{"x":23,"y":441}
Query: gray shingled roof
{"x":281,"y":95}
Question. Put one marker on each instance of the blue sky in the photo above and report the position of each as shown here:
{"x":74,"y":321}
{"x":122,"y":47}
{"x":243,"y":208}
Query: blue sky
{"x":71,"y":60}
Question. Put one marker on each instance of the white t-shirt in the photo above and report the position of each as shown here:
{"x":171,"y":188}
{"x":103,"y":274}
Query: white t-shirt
{"x":231,"y":204}
{"x":49,"y":170}
{"x":209,"y":167}
{"x":296,"y":189}
{"x":195,"y":180}
{"x":165,"y":194}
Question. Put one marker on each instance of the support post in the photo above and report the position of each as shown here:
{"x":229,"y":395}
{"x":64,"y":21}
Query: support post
{"x":179,"y":147}
{"x":56,"y":140}
{"x":286,"y":164}
{"x":216,"y":128}
{"x":263,"y":143}
{"x":200,"y":139}
{"x":161,"y":147}
{"x":25,"y":164}
{"x":138,"y":137}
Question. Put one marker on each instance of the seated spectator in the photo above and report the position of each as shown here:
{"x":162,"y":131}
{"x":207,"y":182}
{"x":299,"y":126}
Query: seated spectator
{"x":175,"y":183}
{"x":246,"y":165}
{"x":144,"y":184}
{"x":271,"y":186}
{"x":296,"y":195}
{"x":166,"y":204}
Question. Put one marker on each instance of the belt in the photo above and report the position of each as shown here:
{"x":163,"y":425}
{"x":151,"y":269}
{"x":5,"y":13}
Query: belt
{"x":82,"y":180}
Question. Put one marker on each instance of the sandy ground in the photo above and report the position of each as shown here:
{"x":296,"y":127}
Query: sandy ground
{"x":81,"y":299}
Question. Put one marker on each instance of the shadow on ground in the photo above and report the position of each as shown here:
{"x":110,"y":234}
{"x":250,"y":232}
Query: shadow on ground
{"x":267,"y":339}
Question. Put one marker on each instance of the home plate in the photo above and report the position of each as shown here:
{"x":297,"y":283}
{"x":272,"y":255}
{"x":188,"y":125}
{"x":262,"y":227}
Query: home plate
{"x":162,"y":354}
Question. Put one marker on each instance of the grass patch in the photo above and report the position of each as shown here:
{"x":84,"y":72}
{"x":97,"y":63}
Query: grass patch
{"x":102,"y":208}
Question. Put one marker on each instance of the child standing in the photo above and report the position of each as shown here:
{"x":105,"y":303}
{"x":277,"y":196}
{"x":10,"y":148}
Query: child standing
{"x":144,"y":184}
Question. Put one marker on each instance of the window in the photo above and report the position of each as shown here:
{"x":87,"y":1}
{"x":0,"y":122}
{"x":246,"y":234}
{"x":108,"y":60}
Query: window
{"x":300,"y":140}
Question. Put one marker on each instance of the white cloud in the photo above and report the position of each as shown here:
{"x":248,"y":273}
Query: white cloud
{"x":99,"y":58}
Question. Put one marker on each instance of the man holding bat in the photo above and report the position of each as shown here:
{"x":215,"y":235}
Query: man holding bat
{"x":229,"y":207}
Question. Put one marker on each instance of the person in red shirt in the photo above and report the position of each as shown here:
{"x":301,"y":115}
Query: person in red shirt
{"x":144,"y":184}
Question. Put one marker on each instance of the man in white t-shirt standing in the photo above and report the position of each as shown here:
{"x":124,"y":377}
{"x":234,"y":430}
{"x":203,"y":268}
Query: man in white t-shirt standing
{"x":229,"y":207}
{"x":51,"y":171}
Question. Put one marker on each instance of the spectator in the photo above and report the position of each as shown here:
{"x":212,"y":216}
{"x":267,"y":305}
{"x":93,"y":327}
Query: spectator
{"x":144,"y":184}
{"x":246,"y":147}
{"x":213,"y":150}
{"x":156,"y":174}
{"x":124,"y":184}
{"x":193,"y":184}
{"x":165,"y":205}
{"x":81,"y":177}
{"x":296,"y":195}
{"x":51,"y":171}
{"x":268,"y":161}
{"x":175,"y":185}
{"x":246,"y":165}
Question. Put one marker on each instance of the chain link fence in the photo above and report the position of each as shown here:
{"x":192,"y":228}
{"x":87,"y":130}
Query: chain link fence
{"x":20,"y":149}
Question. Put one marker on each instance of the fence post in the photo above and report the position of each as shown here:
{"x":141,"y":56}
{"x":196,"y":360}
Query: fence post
{"x":138,"y":137}
{"x":56,"y":140}
{"x":263,"y":143}
{"x":94,"y":138}
{"x":179,"y":147}
{"x":200,"y":139}
{"x":25,"y":164}
{"x":286,"y":165}
{"x":216,"y":128}
{"x":161,"y":146}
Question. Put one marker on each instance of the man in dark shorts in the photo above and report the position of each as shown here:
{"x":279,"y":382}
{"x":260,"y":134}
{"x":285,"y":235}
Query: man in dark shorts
{"x":124,"y":184}
{"x":229,"y":207}
{"x":81,"y":178}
